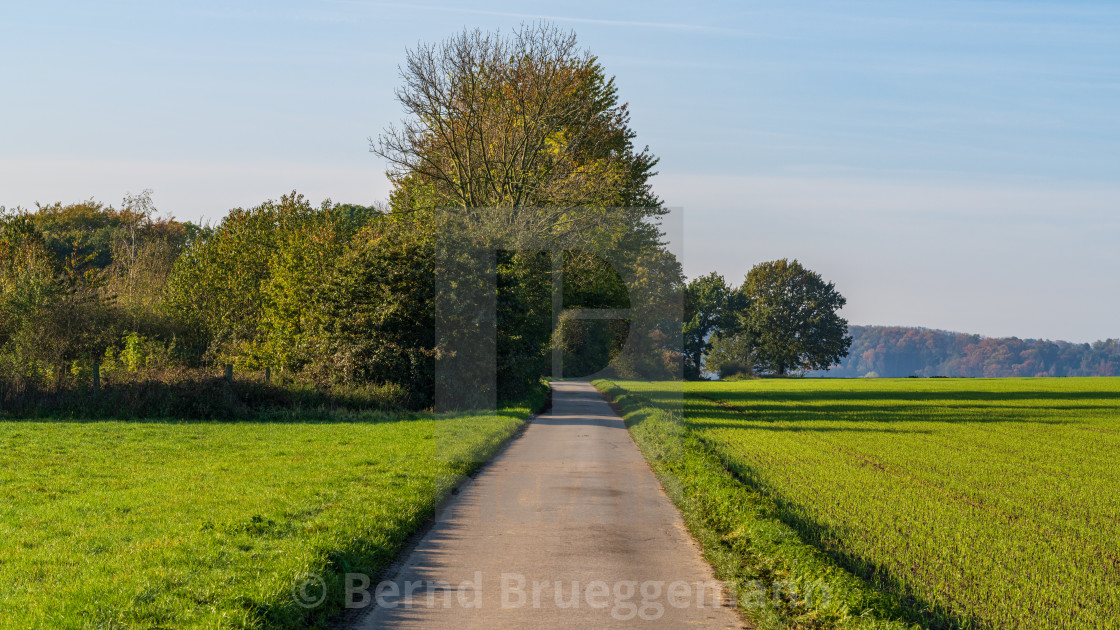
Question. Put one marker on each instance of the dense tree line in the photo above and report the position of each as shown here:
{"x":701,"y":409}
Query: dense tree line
{"x":892,"y":351}
{"x":84,"y":283}
{"x":331,"y":295}
{"x":782,"y":319}
{"x":512,"y":144}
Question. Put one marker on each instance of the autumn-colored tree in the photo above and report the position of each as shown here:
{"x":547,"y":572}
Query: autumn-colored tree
{"x":52,"y":311}
{"x":131,"y":249}
{"x":27,"y":274}
{"x":893,"y":351}
{"x":524,"y":120}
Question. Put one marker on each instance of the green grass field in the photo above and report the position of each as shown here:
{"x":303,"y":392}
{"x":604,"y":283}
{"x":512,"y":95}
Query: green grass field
{"x":957,"y":503}
{"x":209,"y":524}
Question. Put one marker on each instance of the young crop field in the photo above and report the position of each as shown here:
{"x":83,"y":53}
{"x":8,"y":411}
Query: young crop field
{"x":211,"y":524}
{"x":967,"y":502}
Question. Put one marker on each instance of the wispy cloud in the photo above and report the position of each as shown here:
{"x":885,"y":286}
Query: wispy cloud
{"x":670,"y":26}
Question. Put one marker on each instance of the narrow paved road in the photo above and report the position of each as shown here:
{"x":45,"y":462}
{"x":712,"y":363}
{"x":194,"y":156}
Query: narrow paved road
{"x":566,"y":528}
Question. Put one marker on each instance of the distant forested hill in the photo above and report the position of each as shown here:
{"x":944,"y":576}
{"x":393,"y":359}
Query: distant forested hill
{"x":893,"y":351}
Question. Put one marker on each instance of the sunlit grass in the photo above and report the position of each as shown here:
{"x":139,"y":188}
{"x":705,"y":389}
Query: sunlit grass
{"x":206,"y":524}
{"x":990,"y":503}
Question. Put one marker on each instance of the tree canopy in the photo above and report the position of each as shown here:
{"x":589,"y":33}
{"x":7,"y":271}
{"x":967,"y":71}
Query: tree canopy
{"x":782,"y":319}
{"x":74,"y":278}
{"x":791,"y":318}
{"x":710,"y":306}
{"x":526,"y":120}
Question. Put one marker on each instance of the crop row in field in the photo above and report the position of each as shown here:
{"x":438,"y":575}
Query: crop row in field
{"x":988,"y":503}
{"x":204,"y":524}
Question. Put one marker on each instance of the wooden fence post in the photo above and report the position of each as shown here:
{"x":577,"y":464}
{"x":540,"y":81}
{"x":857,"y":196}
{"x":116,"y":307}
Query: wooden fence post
{"x":96,"y":377}
{"x":229,"y":373}
{"x":267,"y":374}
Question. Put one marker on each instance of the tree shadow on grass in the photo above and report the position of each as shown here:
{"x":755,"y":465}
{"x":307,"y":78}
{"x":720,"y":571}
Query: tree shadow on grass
{"x":801,"y":429}
{"x":939,"y":397}
{"x":912,"y":607}
{"x":846,"y":417}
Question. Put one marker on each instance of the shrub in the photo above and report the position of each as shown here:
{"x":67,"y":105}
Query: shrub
{"x":731,"y":370}
{"x":192,"y":394}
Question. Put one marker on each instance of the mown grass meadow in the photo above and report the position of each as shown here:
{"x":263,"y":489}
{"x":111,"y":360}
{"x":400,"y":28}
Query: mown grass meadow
{"x":955,"y":502}
{"x":146,"y":524}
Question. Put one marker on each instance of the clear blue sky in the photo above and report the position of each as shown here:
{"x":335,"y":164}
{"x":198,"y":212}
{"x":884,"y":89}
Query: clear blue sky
{"x":948,"y":164}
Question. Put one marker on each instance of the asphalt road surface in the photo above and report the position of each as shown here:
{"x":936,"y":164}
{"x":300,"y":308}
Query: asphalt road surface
{"x":566,"y":528}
